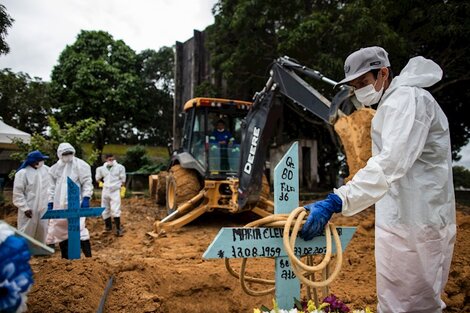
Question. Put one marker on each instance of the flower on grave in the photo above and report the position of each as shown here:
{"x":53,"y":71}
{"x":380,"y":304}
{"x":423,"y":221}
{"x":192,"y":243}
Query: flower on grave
{"x":16,"y":276}
{"x":330,"y":304}
{"x":336,"y":305}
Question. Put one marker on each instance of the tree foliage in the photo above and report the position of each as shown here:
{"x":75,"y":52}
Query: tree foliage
{"x":24,"y":102}
{"x":461,"y":177}
{"x":5,"y":22}
{"x":156,"y":113}
{"x":136,"y":157}
{"x":76,"y":134}
{"x":98,"y":77}
{"x":247,"y":35}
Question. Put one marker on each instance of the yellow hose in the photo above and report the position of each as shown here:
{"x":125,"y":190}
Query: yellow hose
{"x":303,"y":271}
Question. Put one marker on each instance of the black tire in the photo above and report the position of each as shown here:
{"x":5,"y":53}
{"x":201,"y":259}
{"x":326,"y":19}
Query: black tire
{"x":160,"y":194}
{"x":181,"y":185}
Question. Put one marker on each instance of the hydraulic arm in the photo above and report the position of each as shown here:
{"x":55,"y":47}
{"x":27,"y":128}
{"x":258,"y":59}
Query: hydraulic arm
{"x":259,"y":124}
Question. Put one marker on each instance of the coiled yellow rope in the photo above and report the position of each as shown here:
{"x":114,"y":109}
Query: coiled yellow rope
{"x":305,"y":272}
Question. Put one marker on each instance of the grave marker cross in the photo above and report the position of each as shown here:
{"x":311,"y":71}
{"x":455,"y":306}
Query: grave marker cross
{"x":73,"y":214}
{"x":260,"y":242}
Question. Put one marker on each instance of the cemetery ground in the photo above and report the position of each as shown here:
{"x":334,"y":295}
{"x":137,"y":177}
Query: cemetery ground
{"x":168,"y":274}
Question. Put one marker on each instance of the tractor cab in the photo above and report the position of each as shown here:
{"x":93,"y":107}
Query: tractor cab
{"x":212,"y":136}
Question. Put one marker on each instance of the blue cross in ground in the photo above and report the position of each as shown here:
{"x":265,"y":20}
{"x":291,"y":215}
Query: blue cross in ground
{"x":266,"y":242}
{"x":73,"y":214}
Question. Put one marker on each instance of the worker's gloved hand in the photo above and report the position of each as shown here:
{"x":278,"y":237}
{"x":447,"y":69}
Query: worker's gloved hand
{"x":86,"y":202}
{"x":320,"y":214}
{"x":50,"y":206}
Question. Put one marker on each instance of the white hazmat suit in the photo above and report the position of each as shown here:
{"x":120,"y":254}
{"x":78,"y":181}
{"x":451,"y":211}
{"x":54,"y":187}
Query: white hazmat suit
{"x":409,"y":178}
{"x":80,"y":172}
{"x":30,"y":193}
{"x":113,"y":178}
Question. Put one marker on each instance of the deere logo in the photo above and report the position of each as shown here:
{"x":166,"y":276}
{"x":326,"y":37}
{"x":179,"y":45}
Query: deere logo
{"x":347,"y":68}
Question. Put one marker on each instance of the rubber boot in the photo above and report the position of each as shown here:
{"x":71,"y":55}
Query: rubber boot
{"x":108,"y":225}
{"x":86,"y":247}
{"x":64,"y":249}
{"x":117,"y":222}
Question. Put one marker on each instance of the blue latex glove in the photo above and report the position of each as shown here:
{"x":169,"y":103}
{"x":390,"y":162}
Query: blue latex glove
{"x":320,"y":214}
{"x":50,"y":206}
{"x":86,"y":202}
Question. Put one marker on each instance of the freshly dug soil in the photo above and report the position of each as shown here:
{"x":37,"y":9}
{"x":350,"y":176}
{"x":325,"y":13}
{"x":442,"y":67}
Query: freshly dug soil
{"x":168,"y":274}
{"x":354,"y":132}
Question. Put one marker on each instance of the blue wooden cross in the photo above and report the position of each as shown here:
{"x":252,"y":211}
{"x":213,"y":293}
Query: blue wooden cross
{"x":73,"y":214}
{"x":259,"y":242}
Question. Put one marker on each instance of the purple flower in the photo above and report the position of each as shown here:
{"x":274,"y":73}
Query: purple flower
{"x":336,"y":305}
{"x":330,"y":299}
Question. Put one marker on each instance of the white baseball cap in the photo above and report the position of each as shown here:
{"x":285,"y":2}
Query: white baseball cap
{"x":362,"y":61}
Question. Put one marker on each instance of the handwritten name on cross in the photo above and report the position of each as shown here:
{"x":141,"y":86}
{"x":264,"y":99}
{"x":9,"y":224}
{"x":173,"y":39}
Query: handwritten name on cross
{"x":73,"y":214}
{"x":266,"y":242}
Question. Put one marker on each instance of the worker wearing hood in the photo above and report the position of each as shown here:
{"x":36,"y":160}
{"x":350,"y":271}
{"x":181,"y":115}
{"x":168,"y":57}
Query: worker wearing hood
{"x":408,"y":177}
{"x":79,"y":171}
{"x":30,"y":195}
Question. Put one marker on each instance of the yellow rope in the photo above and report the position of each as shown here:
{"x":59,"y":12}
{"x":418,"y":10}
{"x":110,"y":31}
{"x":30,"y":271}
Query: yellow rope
{"x":303,"y":271}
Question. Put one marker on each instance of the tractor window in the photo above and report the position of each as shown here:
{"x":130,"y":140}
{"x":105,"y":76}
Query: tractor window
{"x":224,"y":139}
{"x":197,"y":142}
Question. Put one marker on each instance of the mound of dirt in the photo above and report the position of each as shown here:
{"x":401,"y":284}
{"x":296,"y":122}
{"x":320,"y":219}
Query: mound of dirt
{"x":67,"y":286}
{"x":354,"y":131}
{"x":168,"y":274}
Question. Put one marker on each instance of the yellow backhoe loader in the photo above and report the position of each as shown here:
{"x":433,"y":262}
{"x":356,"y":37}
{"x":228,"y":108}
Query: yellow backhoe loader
{"x":221,"y":167}
{"x":203,"y":174}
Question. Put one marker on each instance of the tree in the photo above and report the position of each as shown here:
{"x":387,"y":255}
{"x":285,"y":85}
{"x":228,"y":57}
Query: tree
{"x":76,"y":134}
{"x":157,"y":68}
{"x":154,"y":119}
{"x":248,"y":35}
{"x":5,"y":22}
{"x":97,"y":77}
{"x":24,"y":102}
{"x":461,"y":177}
{"x":136,"y":157}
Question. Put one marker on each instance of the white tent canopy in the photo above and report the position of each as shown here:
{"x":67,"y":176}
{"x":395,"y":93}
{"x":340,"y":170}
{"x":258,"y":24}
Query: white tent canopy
{"x":8,"y":133}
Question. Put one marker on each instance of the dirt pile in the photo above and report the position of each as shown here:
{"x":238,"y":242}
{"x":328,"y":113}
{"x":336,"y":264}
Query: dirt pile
{"x":67,"y":286}
{"x":354,"y":132}
{"x":168,"y":274}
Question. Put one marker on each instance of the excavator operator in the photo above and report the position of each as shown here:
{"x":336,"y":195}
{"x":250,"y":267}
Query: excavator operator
{"x":221,"y":138}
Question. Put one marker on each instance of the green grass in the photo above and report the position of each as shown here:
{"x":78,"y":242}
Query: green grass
{"x":155,"y":153}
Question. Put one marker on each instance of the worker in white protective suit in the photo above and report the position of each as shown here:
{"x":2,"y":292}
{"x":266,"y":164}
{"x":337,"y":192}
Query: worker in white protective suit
{"x":113,"y":175}
{"x":30,"y":195}
{"x":408,"y":177}
{"x":80,"y":172}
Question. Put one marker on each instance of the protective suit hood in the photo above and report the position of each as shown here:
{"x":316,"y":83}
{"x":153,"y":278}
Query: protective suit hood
{"x":419,"y":72}
{"x":65,"y":147}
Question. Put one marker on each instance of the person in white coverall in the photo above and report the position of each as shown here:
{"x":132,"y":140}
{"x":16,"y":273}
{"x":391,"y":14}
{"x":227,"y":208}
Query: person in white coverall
{"x":80,"y":172}
{"x":408,"y":177}
{"x":113,"y":175}
{"x":30,"y":195}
